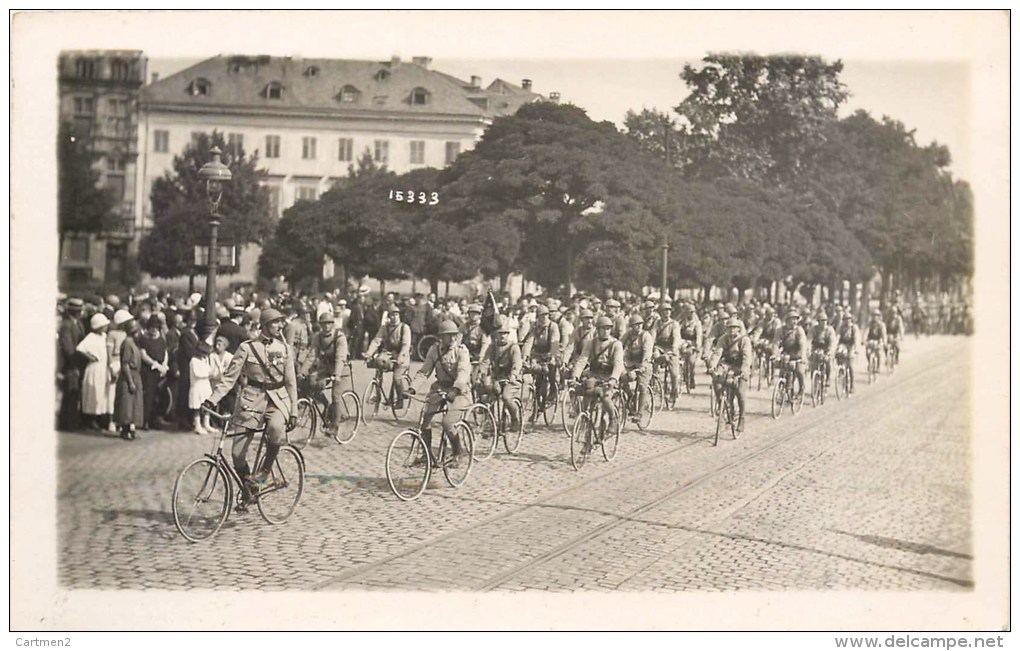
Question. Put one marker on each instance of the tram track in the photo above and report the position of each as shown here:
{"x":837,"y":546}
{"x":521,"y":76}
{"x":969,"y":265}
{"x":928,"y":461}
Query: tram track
{"x":809,"y":421}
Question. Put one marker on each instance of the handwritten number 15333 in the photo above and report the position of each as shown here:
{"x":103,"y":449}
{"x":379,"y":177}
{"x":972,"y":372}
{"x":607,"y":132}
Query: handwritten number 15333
{"x":423,"y":198}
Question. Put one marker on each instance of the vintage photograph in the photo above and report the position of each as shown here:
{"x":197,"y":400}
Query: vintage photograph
{"x":430,"y":319}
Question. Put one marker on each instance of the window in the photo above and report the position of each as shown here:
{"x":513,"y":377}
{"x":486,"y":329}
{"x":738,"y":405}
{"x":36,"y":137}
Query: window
{"x":417,"y":152}
{"x":85,"y":68}
{"x":115,"y":182}
{"x":346,"y":149}
{"x":76,"y":249}
{"x":272,"y":146}
{"x":118,"y":107}
{"x":307,"y":193}
{"x":312,"y":71}
{"x":84,"y":105}
{"x":419,"y":97}
{"x":161,"y":141}
{"x":308,"y":148}
{"x":115,"y":164}
{"x":382,"y":151}
{"x":379,"y":100}
{"x":452,"y":151}
{"x":382,"y":75}
{"x":274,"y":201}
{"x":349,"y":94}
{"x":120,"y":70}
{"x":201,"y":87}
{"x":235,"y":144}
{"x":274,"y":90}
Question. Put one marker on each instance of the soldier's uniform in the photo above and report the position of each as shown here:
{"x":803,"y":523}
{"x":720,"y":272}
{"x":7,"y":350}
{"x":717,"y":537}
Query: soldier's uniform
{"x":331,"y":357}
{"x":477,"y":342}
{"x":268,"y":392}
{"x":638,"y":350}
{"x":735,"y":351}
{"x":667,"y":339}
{"x":542,"y":350}
{"x":604,"y":361}
{"x":567,"y":328}
{"x":453,"y":371}
{"x":503,"y":364}
{"x":395,"y":342}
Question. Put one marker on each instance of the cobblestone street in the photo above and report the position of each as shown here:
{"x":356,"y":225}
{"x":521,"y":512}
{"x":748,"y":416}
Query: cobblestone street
{"x":870,"y":493}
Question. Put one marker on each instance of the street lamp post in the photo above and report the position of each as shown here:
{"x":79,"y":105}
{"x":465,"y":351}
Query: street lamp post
{"x":215,"y":174}
{"x":665,"y":256}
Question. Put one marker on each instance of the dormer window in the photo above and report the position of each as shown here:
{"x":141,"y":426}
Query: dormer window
{"x":201,"y":87}
{"x":312,"y":71}
{"x":274,"y":90}
{"x":119,"y":70}
{"x":382,"y":75}
{"x":349,"y":94}
{"x":85,"y":68}
{"x":419,"y":97}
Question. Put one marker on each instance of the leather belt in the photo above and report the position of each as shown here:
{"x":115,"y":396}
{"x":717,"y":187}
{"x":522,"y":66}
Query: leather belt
{"x":267,"y":387}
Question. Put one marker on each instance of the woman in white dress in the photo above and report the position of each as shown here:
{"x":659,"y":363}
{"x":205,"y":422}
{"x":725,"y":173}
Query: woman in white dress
{"x":200,"y":388}
{"x":96,"y":380}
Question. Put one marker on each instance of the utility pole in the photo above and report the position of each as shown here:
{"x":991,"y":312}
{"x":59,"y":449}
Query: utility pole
{"x":665,"y":256}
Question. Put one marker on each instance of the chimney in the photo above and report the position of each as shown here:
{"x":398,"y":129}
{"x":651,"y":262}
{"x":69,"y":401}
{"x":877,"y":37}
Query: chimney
{"x":395,"y":59}
{"x":476,"y":81}
{"x":155,"y":77}
{"x":424,"y":62}
{"x":554,"y":98}
{"x":526,"y":84}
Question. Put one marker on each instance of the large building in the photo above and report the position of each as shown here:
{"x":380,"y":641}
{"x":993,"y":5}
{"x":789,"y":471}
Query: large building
{"x":308,"y":120}
{"x":98,"y":98}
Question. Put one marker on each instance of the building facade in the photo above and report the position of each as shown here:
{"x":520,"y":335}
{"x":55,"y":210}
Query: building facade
{"x":310,"y":120}
{"x":99,"y":91}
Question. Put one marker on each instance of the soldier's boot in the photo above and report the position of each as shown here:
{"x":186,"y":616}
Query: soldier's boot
{"x":456,"y":450}
{"x":426,"y":435}
{"x":260,"y":478}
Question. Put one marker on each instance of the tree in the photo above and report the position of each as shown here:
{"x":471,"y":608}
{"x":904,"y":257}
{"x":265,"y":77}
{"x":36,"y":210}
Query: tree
{"x":546,"y":170}
{"x":180,"y":209}
{"x":82,"y":207}
{"x":756,"y":117}
{"x":655,"y":132}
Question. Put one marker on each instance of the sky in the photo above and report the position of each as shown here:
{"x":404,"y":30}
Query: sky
{"x":929,"y":96}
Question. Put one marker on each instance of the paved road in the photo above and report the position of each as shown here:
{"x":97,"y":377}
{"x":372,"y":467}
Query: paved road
{"x":871,"y":493}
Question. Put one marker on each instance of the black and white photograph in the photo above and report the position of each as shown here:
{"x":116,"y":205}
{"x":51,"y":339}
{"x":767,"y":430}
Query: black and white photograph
{"x":565,"y":320}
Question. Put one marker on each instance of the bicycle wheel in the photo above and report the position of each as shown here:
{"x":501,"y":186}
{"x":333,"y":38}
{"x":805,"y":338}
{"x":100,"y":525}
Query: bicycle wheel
{"x":165,"y":402}
{"x":713,"y":404}
{"x":512,"y":436}
{"x":720,"y":418}
{"x":424,"y":344}
{"x":840,"y":380}
{"x":611,"y":435}
{"x":307,"y":420}
{"x":201,"y":499}
{"x":669,"y":390}
{"x":816,"y":388}
{"x":528,"y":402}
{"x":796,"y":400}
{"x":570,"y":407}
{"x":371,"y":402}
{"x":282,"y":492}
{"x":622,"y":409}
{"x":655,"y":387}
{"x":348,"y":417}
{"x":483,"y":426}
{"x":646,"y":410}
{"x":872,"y":368}
{"x":457,"y":473}
{"x":734,"y":411}
{"x":778,"y":398}
{"x":400,"y":412}
{"x":552,"y":401}
{"x":407,"y":477}
{"x":580,"y":441}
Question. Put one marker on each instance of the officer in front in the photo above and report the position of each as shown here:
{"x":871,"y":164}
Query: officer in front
{"x":268,"y":395}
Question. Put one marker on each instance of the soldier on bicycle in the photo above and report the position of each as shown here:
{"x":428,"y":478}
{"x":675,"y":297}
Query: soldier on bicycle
{"x":638,"y":350}
{"x":690,"y":337}
{"x":792,"y":344}
{"x":501,"y":370}
{"x":452,"y":364}
{"x":391,"y":351}
{"x":876,"y":337}
{"x":823,"y":345}
{"x":733,"y":351}
{"x":667,"y":341}
{"x":542,"y":350}
{"x":329,"y":346}
{"x":603,"y":357}
{"x":474,"y":338}
{"x":849,"y":334}
{"x":268,"y":396}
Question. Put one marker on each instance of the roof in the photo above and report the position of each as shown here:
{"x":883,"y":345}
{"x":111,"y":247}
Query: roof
{"x":317,"y":84}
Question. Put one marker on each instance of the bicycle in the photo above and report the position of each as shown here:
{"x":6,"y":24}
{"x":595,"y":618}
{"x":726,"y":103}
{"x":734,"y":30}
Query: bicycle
{"x":893,"y":358}
{"x":874,"y":361}
{"x":211,"y":481}
{"x":726,"y":407}
{"x":425,"y":343}
{"x":664,"y":390}
{"x":374,"y":397}
{"x":783,"y":391}
{"x":491,"y":420}
{"x":819,"y":379}
{"x":591,"y":429}
{"x":409,"y":464}
{"x":547,"y":403}
{"x":629,"y":405}
{"x":764,"y":365}
{"x":570,"y":408}
{"x":165,"y":401}
{"x":315,"y":410}
{"x":844,"y":379}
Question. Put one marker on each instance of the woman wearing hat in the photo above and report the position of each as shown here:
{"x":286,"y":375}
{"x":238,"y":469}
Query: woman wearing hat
{"x":69,"y":336}
{"x":129,"y":408}
{"x":96,"y":378}
{"x":155,"y":365}
{"x":114,"y":341}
